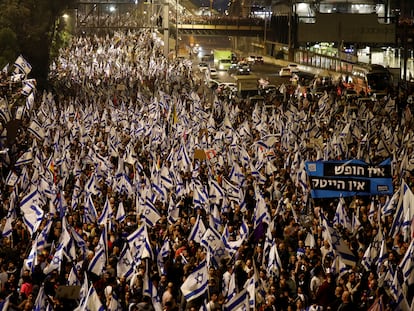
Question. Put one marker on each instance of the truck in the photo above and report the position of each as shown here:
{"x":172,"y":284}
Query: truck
{"x":247,"y":85}
{"x":223,"y":57}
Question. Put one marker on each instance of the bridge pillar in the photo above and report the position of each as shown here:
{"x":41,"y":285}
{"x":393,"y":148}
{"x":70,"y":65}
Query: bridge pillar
{"x":165,"y":26}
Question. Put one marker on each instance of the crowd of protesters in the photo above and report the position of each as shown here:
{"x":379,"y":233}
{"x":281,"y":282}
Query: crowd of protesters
{"x":124,"y":128}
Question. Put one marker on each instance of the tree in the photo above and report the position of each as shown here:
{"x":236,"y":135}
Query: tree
{"x":32,"y":26}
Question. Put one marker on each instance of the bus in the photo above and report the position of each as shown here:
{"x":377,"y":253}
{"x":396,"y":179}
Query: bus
{"x":372,"y":79}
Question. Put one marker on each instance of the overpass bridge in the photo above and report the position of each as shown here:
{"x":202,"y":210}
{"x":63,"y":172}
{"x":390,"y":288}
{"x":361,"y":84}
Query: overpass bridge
{"x":222,"y":27}
{"x":107,"y":16}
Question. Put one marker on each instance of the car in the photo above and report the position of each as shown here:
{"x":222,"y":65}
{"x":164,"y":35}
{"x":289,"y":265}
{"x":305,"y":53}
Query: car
{"x":202,"y":66}
{"x":285,"y":72}
{"x":228,"y":86}
{"x":213,"y":72}
{"x":268,"y":89}
{"x":243,"y":69}
{"x":293,"y":68}
{"x":233,"y":69}
{"x":259,"y":60}
{"x":251,"y":59}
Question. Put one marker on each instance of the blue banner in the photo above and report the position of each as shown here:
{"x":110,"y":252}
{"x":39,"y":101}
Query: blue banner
{"x":332,"y":179}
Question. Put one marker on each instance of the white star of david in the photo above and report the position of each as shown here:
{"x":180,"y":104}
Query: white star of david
{"x":199,"y":278}
{"x":210,"y":238}
{"x":220,"y":252}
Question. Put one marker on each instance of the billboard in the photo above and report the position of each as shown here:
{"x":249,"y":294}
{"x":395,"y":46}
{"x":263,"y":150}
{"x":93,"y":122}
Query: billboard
{"x":332,"y":179}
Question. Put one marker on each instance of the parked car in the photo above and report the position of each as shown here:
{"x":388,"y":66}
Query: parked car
{"x":285,"y":72}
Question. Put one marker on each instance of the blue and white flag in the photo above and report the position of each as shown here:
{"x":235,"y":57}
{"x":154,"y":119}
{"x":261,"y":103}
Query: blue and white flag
{"x":163,"y":253}
{"x":90,"y":213}
{"x":120,"y":213}
{"x":73,"y":279}
{"x":240,"y":238}
{"x":139,"y":243}
{"x":404,"y":212}
{"x":4,"y":305}
{"x":232,"y":191}
{"x":407,"y":264}
{"x":91,"y":186}
{"x":261,"y":212}
{"x":195,"y":285}
{"x":4,"y":110}
{"x":107,"y":215}
{"x":25,"y":158}
{"x":125,"y":264}
{"x":22,"y":66}
{"x":383,"y":255}
{"x":31,"y":260}
{"x":32,"y":213}
{"x":200,"y":195}
{"x":98,"y":262}
{"x":8,"y":227}
{"x":239,"y":302}
{"x":28,"y":86}
{"x":197,"y":231}
{"x":173,"y":211}
{"x":341,"y":216}
{"x":338,"y":244}
{"x":274,"y":264}
{"x":149,"y":289}
{"x":123,"y":184}
{"x":56,"y":260}
{"x":211,"y":240}
{"x":92,"y":302}
{"x":41,"y":302}
{"x":215,"y":218}
{"x":80,"y":242}
{"x":150,"y":213}
{"x":12,"y":179}
{"x":338,"y":267}
{"x":216,"y":192}
{"x":114,"y":304}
